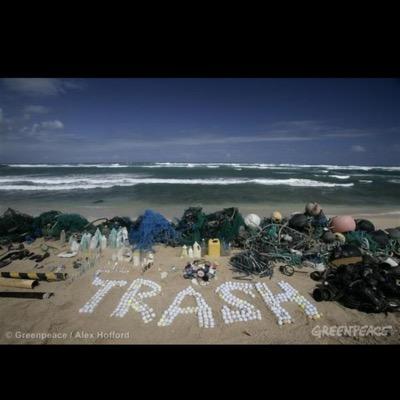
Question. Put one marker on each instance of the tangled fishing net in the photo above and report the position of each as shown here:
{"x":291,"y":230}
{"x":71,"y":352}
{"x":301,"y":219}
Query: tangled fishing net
{"x":191,"y":225}
{"x":196,"y":225}
{"x":224,"y":225}
{"x":116,"y":222}
{"x":272,"y":243}
{"x":43,"y":220}
{"x":70,"y":223}
{"x":369,"y":287}
{"x":15,"y":225}
{"x":361,"y":239}
{"x":250,"y":262}
{"x":152,"y":228}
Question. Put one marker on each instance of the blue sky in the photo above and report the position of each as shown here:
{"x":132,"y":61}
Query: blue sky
{"x":309,"y":121}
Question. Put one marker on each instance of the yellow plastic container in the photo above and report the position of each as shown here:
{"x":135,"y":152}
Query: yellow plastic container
{"x":214,"y":248}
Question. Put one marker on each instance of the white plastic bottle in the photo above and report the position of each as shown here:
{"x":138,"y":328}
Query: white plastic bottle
{"x":196,"y":250}
{"x":74,"y":246}
{"x":103,"y":243}
{"x":184,"y":251}
{"x":124,"y":234}
{"x":113,"y":238}
{"x":62,"y":237}
{"x":94,"y":242}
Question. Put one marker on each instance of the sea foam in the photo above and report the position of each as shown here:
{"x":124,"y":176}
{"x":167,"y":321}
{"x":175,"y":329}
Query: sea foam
{"x":108,"y":181}
{"x":323,"y":167}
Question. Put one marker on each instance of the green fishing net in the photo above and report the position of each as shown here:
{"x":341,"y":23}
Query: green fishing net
{"x":70,"y":223}
{"x":362,"y":239}
{"x":223,"y":225}
{"x":45,"y":219}
{"x":271,"y":232}
{"x":195,"y":225}
{"x":190,"y":226}
{"x":14,"y":224}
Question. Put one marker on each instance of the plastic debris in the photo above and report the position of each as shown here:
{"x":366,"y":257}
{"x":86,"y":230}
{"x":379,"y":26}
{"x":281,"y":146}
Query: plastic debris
{"x":70,"y":223}
{"x":200,"y":270}
{"x":252,"y":221}
{"x":196,"y":250}
{"x":152,"y":228}
{"x":195,"y":225}
{"x":252,"y":262}
{"x":113,"y":238}
{"x":367,"y":286}
{"x":14,"y":226}
{"x":67,"y":254}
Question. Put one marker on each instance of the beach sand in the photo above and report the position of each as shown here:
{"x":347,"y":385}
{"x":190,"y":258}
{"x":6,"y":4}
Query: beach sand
{"x":59,"y":315}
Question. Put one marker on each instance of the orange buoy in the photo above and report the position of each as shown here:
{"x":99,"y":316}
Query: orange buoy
{"x":343,"y":223}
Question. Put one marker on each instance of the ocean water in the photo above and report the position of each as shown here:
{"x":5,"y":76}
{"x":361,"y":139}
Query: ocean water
{"x":174,"y":184}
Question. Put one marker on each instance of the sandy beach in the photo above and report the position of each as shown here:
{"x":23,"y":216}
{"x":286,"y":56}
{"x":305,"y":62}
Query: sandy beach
{"x":152,"y":152}
{"x":57,"y":320}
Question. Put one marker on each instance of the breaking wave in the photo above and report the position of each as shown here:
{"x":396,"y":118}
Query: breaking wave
{"x":340,"y":176}
{"x":92,"y":182}
{"x":325,"y":167}
{"x":114,"y":165}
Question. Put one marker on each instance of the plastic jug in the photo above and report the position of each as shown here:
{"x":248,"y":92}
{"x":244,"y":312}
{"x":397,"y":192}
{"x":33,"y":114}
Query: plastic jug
{"x":214,"y":248}
{"x":196,"y":250}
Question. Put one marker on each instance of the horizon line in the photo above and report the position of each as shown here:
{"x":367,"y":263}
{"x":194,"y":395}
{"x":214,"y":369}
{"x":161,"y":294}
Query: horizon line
{"x":194,"y":162}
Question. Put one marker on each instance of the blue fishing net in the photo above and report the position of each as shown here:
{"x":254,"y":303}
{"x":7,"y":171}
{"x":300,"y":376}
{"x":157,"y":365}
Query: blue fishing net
{"x":151,"y":228}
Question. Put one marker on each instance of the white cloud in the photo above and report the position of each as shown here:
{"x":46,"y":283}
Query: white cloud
{"x":204,"y":139}
{"x":234,"y":140}
{"x":358,"y":148}
{"x":56,"y":124}
{"x":314,"y":129}
{"x":45,"y":126}
{"x":346,"y":134}
{"x":36,"y":109}
{"x":39,"y":86}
